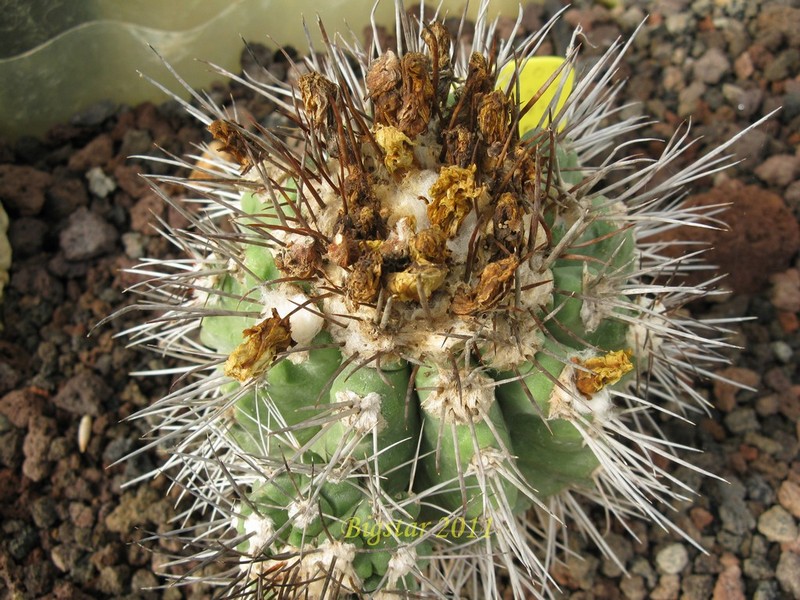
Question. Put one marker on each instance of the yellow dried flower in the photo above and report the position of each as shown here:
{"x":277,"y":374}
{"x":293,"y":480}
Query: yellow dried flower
{"x":397,"y":147}
{"x":452,"y":198}
{"x":261,"y":344}
{"x":601,"y":371}
{"x":407,"y":285}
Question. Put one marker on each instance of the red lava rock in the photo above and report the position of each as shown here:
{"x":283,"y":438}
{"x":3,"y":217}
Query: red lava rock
{"x":87,"y":235}
{"x":729,"y":584}
{"x":41,"y":431}
{"x":26,"y":236}
{"x":20,"y":405}
{"x":64,"y":197}
{"x":715,"y":429}
{"x":144,"y":213}
{"x":95,"y":154}
{"x":789,"y":497}
{"x":129,"y":179}
{"x":725,"y":392}
{"x":81,"y":515}
{"x":785,"y":293}
{"x":148,"y":117}
{"x":749,"y":453}
{"x":788,"y":321}
{"x":762,"y":236}
{"x":789,"y":402}
{"x":83,"y":394}
{"x":22,"y":189}
{"x":701,"y":518}
{"x":781,"y":19}
{"x":779,"y":170}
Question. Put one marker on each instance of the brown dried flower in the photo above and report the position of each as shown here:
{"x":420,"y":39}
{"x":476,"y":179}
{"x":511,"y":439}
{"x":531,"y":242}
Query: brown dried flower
{"x":418,"y":95}
{"x":364,"y":281}
{"x":383,"y":84}
{"x":233,"y":141}
{"x":300,"y":260}
{"x":494,"y":284}
{"x":429,"y":246}
{"x":317,"y":93}
{"x":494,"y":117}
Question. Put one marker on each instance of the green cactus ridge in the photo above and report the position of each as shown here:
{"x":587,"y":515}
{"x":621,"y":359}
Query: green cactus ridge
{"x":429,"y":334}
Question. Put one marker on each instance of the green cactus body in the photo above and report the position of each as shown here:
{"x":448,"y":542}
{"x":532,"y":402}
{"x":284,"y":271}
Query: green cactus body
{"x":396,"y":421}
{"x":456,"y":440}
{"x":430,"y":330}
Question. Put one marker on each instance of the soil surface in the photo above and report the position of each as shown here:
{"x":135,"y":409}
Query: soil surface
{"x":75,"y":522}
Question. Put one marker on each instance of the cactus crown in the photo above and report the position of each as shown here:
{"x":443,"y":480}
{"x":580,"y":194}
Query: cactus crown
{"x":420,"y":330}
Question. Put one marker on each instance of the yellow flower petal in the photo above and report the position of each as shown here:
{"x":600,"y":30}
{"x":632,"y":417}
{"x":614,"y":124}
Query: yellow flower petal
{"x":532,"y":78}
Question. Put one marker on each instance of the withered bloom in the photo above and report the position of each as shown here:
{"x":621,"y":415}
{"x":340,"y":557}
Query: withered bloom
{"x":478,"y":84}
{"x":494,"y":284}
{"x":417,"y":280}
{"x":234,"y":142}
{"x":429,"y":246}
{"x":418,"y":95}
{"x":437,"y":38}
{"x":300,"y":260}
{"x":364,"y":281}
{"x":459,"y":146}
{"x":261,"y":344}
{"x":317,"y":93}
{"x":398,"y":149}
{"x":363,"y":219}
{"x":452,"y":198}
{"x":383,"y":84}
{"x":600,"y":371}
{"x":507,"y":225}
{"x":494,"y":117}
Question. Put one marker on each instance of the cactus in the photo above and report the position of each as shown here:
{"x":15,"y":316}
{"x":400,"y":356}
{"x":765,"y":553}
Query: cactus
{"x":427,"y":325}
